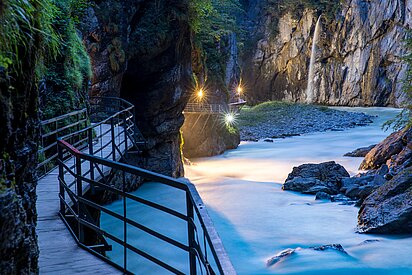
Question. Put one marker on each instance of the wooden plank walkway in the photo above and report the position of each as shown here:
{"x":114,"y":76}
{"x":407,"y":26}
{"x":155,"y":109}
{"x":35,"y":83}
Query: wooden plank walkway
{"x":59,"y":253}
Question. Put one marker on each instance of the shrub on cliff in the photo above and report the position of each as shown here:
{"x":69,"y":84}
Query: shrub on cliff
{"x":212,"y":21}
{"x":66,"y":77}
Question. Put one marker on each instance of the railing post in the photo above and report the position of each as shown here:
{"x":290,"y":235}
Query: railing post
{"x":79,"y":196}
{"x":191,"y":233}
{"x":91,"y":152}
{"x":125,"y":126}
{"x":113,"y":139}
{"x":61,"y":179}
{"x":124,"y":224}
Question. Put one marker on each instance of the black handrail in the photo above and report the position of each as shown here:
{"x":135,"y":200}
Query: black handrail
{"x":81,"y":169}
{"x":52,"y":128}
{"x":194,"y":205}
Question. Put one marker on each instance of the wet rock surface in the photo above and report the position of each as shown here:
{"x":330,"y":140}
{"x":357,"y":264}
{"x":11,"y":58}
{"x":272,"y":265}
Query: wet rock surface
{"x":322,"y":196}
{"x":388,"y":209}
{"x":206,"y":135}
{"x":281,"y":120}
{"x":384,"y":194}
{"x":281,"y":255}
{"x":336,"y":247}
{"x":313,"y":178}
{"x":385,"y":150}
{"x":360,"y":152}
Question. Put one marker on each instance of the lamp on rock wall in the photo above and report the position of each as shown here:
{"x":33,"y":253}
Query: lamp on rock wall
{"x":200,"y":94}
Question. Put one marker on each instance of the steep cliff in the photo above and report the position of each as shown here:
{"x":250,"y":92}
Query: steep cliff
{"x":358,"y":61}
{"x":141,"y":50}
{"x":22,"y":46}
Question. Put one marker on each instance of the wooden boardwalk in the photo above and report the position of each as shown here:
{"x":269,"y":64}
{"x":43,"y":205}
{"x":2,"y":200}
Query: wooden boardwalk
{"x":59,"y":253}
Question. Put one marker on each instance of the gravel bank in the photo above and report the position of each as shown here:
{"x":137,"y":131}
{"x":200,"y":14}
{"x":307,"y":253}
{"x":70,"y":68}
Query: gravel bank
{"x":273,"y":120}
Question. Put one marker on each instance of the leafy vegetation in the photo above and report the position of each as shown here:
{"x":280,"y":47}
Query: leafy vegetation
{"x":296,"y":7}
{"x":61,"y":60}
{"x":67,"y":76}
{"x":278,"y":8}
{"x":212,"y":21}
{"x":22,"y":25}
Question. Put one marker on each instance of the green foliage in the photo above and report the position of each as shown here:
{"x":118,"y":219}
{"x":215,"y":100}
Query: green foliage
{"x":296,"y":7}
{"x":278,"y":8}
{"x":211,"y":22}
{"x":22,"y":25}
{"x":67,"y":75}
{"x":233,"y":130}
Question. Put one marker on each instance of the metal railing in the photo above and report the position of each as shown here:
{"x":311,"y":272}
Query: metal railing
{"x":84,"y":128}
{"x":102,"y":108}
{"x":206,"y":108}
{"x":75,"y":210}
{"x":90,"y":167}
{"x":52,"y":128}
{"x":193,"y":107}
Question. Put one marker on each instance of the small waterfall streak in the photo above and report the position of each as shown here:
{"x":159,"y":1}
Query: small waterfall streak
{"x":310,"y":93}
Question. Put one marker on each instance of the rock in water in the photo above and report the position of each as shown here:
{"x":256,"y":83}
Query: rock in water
{"x":322,"y":196}
{"x":275,"y":259}
{"x":378,"y":156}
{"x":362,"y":185}
{"x":388,"y":210}
{"x":360,"y":152}
{"x":336,"y":247}
{"x":313,"y":178}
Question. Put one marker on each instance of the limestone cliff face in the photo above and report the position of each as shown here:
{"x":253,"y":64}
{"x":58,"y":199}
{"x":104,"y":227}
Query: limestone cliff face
{"x":141,"y":50}
{"x":358,"y":62}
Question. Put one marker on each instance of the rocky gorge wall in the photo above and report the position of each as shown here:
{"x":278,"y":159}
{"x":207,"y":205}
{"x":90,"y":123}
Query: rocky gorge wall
{"x":18,"y":159}
{"x":141,"y":50}
{"x":206,"y":135}
{"x":358,"y":61}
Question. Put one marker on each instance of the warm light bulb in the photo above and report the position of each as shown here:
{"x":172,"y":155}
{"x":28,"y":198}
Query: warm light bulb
{"x":239,"y":90}
{"x":200,"y":93}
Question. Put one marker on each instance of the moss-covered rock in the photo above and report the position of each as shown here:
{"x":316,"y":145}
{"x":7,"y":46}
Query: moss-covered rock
{"x":208,"y":135}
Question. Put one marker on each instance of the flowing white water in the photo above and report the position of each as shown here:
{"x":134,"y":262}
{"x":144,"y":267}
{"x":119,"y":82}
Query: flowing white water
{"x":256,"y":219}
{"x":310,"y":93}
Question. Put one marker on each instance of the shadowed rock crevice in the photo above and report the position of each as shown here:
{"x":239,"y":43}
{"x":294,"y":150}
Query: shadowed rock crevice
{"x":141,"y":51}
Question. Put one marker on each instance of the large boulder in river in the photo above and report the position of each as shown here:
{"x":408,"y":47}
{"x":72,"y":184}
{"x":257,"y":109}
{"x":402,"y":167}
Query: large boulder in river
{"x":388,"y":210}
{"x":313,"y":178}
{"x":387,"y":149}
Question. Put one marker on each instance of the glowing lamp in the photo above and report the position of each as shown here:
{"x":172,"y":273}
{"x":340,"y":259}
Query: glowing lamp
{"x":239,"y":90}
{"x":200,"y":93}
{"x":229,"y":119}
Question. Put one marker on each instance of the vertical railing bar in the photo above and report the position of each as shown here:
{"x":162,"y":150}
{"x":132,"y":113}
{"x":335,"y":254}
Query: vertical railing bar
{"x":124,"y":223}
{"x":91,"y":152}
{"x":113,"y":139}
{"x":125,"y":135}
{"x":61,"y":181}
{"x":79,"y":195}
{"x":191,"y":233}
